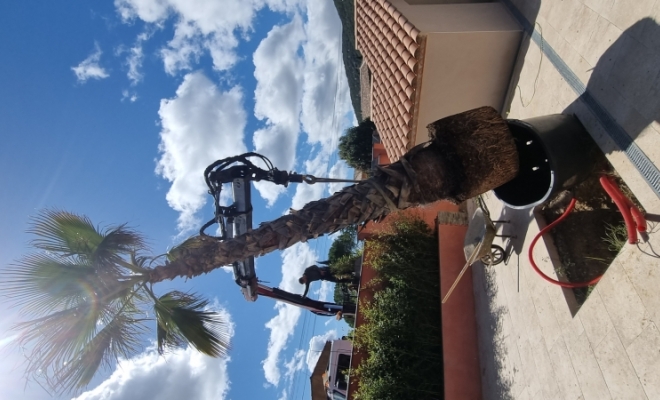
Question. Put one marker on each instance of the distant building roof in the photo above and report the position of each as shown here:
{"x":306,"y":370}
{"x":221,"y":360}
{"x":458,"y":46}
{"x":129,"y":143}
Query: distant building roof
{"x":390,"y":44}
{"x":317,"y":385}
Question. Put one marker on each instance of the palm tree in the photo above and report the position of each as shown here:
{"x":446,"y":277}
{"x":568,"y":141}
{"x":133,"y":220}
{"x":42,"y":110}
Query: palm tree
{"x":470,"y":153}
{"x":89,"y":288}
{"x":86,"y":291}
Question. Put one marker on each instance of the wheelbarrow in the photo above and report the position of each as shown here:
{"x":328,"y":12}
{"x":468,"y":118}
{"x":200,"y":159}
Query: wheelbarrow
{"x":478,"y":245}
{"x":479,"y":240}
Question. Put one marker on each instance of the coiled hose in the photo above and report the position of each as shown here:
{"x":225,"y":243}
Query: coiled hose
{"x":633,"y":218}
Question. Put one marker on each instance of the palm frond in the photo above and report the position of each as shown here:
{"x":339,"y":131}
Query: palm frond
{"x":64,"y":233}
{"x":119,"y":338}
{"x":58,"y":337}
{"x":116,"y":241}
{"x":68,"y":234}
{"x":184,"y":318}
{"x":71,"y":345}
{"x":42,"y":283}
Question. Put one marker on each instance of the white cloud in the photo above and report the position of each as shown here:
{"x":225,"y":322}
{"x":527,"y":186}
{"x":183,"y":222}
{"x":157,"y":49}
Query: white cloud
{"x":326,"y":98}
{"x":294,"y":260}
{"x":317,"y":166}
{"x":134,"y":59}
{"x":295,"y":364}
{"x":278,"y":72}
{"x":324,"y":291}
{"x":281,"y":328}
{"x":316,"y":346}
{"x":181,"y":374}
{"x":89,"y":68}
{"x":300,"y":79}
{"x":129,"y":95}
{"x":338,"y":171}
{"x":202,"y":25}
{"x":200,"y":124}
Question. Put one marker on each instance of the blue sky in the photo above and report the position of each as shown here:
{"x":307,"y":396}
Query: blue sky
{"x":113,"y":109}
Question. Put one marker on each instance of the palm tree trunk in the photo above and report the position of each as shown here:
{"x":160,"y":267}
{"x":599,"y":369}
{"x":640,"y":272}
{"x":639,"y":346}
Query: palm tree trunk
{"x":469,"y":154}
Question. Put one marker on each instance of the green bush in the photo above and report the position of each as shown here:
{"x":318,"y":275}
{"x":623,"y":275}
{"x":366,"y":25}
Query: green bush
{"x":356,"y":145}
{"x":403,"y":332}
{"x":345,"y":244}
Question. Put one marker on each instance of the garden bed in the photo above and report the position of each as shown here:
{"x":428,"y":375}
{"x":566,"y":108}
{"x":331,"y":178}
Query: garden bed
{"x":589,"y":239}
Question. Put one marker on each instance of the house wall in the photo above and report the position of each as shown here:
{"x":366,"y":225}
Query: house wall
{"x":472,"y":17}
{"x":468,"y":58}
{"x":378,"y":152}
{"x":462,"y":71}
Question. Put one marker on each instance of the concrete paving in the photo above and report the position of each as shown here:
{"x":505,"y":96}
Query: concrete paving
{"x":535,"y":343}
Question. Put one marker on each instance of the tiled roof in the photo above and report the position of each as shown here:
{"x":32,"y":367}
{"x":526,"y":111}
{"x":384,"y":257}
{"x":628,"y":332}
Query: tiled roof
{"x":391,"y":47}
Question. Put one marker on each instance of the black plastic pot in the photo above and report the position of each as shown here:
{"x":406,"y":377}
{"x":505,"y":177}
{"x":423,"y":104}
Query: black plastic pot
{"x":555,"y":152}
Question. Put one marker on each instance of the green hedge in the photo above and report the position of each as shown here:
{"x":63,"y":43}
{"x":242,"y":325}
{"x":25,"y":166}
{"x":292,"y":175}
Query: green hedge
{"x":403,"y":332}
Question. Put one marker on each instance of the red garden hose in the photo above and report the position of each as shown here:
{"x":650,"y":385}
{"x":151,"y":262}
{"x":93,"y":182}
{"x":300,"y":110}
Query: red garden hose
{"x":633,"y":218}
{"x":571,"y":285}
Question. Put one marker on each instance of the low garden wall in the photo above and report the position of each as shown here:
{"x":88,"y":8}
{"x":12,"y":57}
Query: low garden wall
{"x":460,"y":372}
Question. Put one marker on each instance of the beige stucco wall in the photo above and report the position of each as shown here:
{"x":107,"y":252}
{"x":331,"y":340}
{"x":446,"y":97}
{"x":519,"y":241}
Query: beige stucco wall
{"x":457,"y":17}
{"x":462,"y":71}
{"x":468,"y":59}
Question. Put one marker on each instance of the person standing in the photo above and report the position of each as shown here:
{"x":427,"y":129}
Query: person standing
{"x":316,"y":273}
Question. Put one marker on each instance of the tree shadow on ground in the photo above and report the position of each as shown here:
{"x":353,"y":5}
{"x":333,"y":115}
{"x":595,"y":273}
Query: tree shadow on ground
{"x":623,"y":92}
{"x":495,"y":382}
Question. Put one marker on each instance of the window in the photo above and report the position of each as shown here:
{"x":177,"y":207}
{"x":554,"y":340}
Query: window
{"x":341,"y":374}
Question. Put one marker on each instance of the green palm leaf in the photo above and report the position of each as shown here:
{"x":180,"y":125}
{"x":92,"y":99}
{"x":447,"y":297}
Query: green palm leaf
{"x":58,"y":337}
{"x":118,"y":338}
{"x":83,"y":292}
{"x":68,"y":234}
{"x":64,"y":233}
{"x":71,"y":345}
{"x":184,"y":318}
{"x":43,"y":283}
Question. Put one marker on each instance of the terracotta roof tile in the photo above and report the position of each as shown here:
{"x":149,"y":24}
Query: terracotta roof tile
{"x":402,"y":110}
{"x":388,"y":42}
{"x":408,"y":105}
{"x":409,"y":90}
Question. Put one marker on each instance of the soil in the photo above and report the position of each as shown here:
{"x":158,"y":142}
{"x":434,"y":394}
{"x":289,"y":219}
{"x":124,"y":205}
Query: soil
{"x":579,"y":239}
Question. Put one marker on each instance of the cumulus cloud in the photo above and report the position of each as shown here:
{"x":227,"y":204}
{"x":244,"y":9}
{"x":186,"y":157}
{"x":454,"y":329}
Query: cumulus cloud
{"x":281,"y":328}
{"x":181,"y":374}
{"x":200,"y":124}
{"x":301,"y":80}
{"x":201,"y":26}
{"x":89,"y":68}
{"x":316,"y":346}
{"x":325,"y":100}
{"x":278,"y":72}
{"x":294,"y":260}
{"x":295,"y":364}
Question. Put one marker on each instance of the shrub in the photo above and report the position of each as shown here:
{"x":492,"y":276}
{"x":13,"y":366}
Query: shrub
{"x":355,"y":146}
{"x":403,"y":332}
{"x":343,"y":245}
